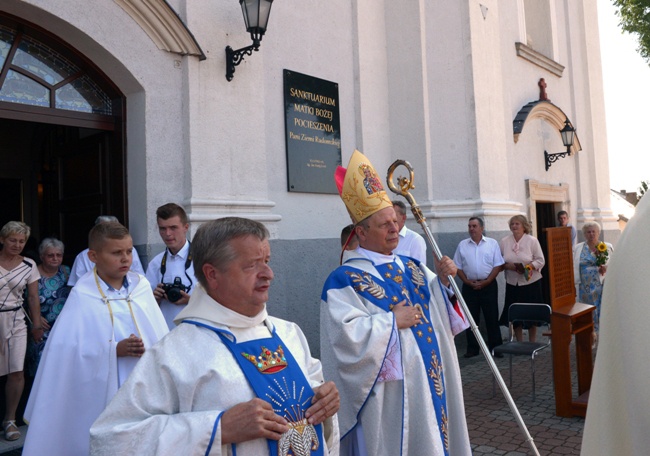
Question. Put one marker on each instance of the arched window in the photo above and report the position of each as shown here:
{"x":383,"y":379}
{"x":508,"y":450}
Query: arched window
{"x":36,"y":74}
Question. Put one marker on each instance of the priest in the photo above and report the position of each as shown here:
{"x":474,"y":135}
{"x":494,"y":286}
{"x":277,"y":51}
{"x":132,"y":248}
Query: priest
{"x":229,"y":379}
{"x":387,"y":336}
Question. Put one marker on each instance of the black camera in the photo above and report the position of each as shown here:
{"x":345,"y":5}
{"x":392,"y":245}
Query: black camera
{"x":173,"y":290}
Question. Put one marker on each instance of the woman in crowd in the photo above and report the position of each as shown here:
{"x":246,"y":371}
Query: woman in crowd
{"x":524,"y":260}
{"x":17,"y":273}
{"x":52,"y":292}
{"x":587,"y":273}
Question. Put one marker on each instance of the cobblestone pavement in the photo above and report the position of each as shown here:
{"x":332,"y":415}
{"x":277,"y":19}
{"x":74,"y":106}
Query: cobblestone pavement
{"x":493,"y":429}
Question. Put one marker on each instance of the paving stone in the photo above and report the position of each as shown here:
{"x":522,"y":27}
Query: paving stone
{"x":493,"y":429}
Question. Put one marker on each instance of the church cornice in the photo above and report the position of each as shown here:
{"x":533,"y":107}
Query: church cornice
{"x":163,"y":25}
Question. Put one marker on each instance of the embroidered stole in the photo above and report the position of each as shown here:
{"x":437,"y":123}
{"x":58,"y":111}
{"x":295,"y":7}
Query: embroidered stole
{"x":411,"y":285}
{"x":276,"y":377}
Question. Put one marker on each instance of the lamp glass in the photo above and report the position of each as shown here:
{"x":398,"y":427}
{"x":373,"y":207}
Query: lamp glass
{"x":256,"y":14}
{"x":568,"y":133}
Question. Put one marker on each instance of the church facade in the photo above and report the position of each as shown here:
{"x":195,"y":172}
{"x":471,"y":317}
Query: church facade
{"x":471,"y":95}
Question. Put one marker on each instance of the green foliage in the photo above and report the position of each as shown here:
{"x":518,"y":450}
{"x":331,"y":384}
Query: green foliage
{"x":635,"y":18}
{"x":643,"y":189}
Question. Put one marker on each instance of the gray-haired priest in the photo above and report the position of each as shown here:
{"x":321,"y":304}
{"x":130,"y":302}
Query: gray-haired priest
{"x":229,"y":379}
{"x":387,"y":336}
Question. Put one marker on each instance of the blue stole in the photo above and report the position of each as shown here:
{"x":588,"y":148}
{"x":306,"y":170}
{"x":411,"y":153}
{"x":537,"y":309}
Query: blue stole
{"x":411,"y":285}
{"x":276,"y":377}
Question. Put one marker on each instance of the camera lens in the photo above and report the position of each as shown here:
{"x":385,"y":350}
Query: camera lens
{"x":173,"y":294}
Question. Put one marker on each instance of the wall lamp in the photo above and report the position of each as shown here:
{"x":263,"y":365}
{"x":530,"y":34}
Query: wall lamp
{"x":256,"y":17}
{"x":568,"y":133}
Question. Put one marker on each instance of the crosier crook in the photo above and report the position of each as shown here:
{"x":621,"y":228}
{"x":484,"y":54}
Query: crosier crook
{"x":404,"y":184}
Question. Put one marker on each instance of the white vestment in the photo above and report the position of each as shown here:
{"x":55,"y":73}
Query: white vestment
{"x":79,"y":371}
{"x":395,"y":411}
{"x":173,"y":402}
{"x":618,"y":415}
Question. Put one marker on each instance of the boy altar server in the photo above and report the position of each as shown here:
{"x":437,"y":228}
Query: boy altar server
{"x":107,"y":323}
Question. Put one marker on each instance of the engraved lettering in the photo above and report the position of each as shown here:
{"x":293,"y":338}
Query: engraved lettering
{"x":312,"y":96}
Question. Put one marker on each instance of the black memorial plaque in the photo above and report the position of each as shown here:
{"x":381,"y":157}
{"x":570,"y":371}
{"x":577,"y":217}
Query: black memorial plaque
{"x":313,"y":133}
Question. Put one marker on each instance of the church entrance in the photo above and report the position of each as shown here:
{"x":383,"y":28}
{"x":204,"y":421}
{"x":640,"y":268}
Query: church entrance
{"x":61,"y":138}
{"x":62,"y":154}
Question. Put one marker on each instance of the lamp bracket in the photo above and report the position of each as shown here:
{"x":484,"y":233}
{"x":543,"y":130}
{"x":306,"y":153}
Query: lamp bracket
{"x":234,"y":58}
{"x":552,"y":158}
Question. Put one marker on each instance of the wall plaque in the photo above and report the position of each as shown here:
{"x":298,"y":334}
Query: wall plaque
{"x":313,"y":133}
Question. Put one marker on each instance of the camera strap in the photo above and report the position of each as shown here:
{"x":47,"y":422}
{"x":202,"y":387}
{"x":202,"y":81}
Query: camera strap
{"x":188,"y":263}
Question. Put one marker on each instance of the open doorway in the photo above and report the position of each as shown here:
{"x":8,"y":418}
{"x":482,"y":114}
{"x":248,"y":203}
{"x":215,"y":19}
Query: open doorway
{"x":62,"y":177}
{"x":545,"y":218}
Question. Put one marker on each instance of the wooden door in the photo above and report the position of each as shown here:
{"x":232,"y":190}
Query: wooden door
{"x":91,"y":183}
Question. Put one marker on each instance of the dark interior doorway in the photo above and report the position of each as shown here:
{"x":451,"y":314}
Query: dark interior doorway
{"x":60,"y":179}
{"x":545,"y":215}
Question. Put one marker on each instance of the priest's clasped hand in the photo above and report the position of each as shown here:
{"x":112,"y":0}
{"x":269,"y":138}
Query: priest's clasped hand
{"x":251,"y":420}
{"x":406,"y":316}
{"x":325,"y":403}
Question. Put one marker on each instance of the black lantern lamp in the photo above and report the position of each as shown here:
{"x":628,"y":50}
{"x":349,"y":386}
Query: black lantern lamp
{"x":568,"y":134}
{"x":256,"y":17}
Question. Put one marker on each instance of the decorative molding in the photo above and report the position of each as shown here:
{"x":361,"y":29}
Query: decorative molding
{"x":163,"y":25}
{"x":538,"y":191}
{"x":203,"y":210}
{"x":547,"y":193}
{"x":539,"y":59}
{"x":543,"y":109}
{"x":604,"y":216}
{"x":451,"y":216}
{"x":468,"y":208}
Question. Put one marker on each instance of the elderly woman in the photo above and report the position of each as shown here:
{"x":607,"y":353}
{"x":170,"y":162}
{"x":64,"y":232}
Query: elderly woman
{"x":17,"y":273}
{"x":52,"y":291}
{"x":588,"y":275}
{"x":524,"y":260}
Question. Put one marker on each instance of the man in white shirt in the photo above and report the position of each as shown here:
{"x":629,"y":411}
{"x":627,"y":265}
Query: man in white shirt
{"x":563,"y":220}
{"x":479,"y":262}
{"x":82,"y":263}
{"x":171,"y":273}
{"x":411,"y":244}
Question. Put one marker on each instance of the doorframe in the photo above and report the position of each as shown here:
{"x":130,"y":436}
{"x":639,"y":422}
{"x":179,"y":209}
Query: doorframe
{"x":546,"y":193}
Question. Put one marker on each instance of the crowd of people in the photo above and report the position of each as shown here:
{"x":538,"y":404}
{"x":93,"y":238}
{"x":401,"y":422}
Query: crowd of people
{"x":186,"y":356}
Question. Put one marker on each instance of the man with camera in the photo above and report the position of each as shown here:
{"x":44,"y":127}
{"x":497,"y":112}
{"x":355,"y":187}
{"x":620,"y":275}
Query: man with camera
{"x":171,"y":273}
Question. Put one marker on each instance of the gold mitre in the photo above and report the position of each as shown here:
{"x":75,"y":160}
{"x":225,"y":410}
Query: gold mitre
{"x":360,"y":188}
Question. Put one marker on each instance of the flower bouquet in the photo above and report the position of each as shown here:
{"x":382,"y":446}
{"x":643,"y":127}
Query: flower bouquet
{"x":526,"y":270}
{"x":601,"y":253}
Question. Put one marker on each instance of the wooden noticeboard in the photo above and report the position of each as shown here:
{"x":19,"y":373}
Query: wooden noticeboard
{"x":570,"y":320}
{"x":560,"y":267}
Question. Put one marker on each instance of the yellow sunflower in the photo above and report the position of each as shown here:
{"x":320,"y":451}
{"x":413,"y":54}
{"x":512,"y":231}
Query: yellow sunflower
{"x":601,"y":247}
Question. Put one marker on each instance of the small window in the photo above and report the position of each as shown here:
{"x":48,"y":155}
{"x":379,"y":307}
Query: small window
{"x":539,"y":27}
